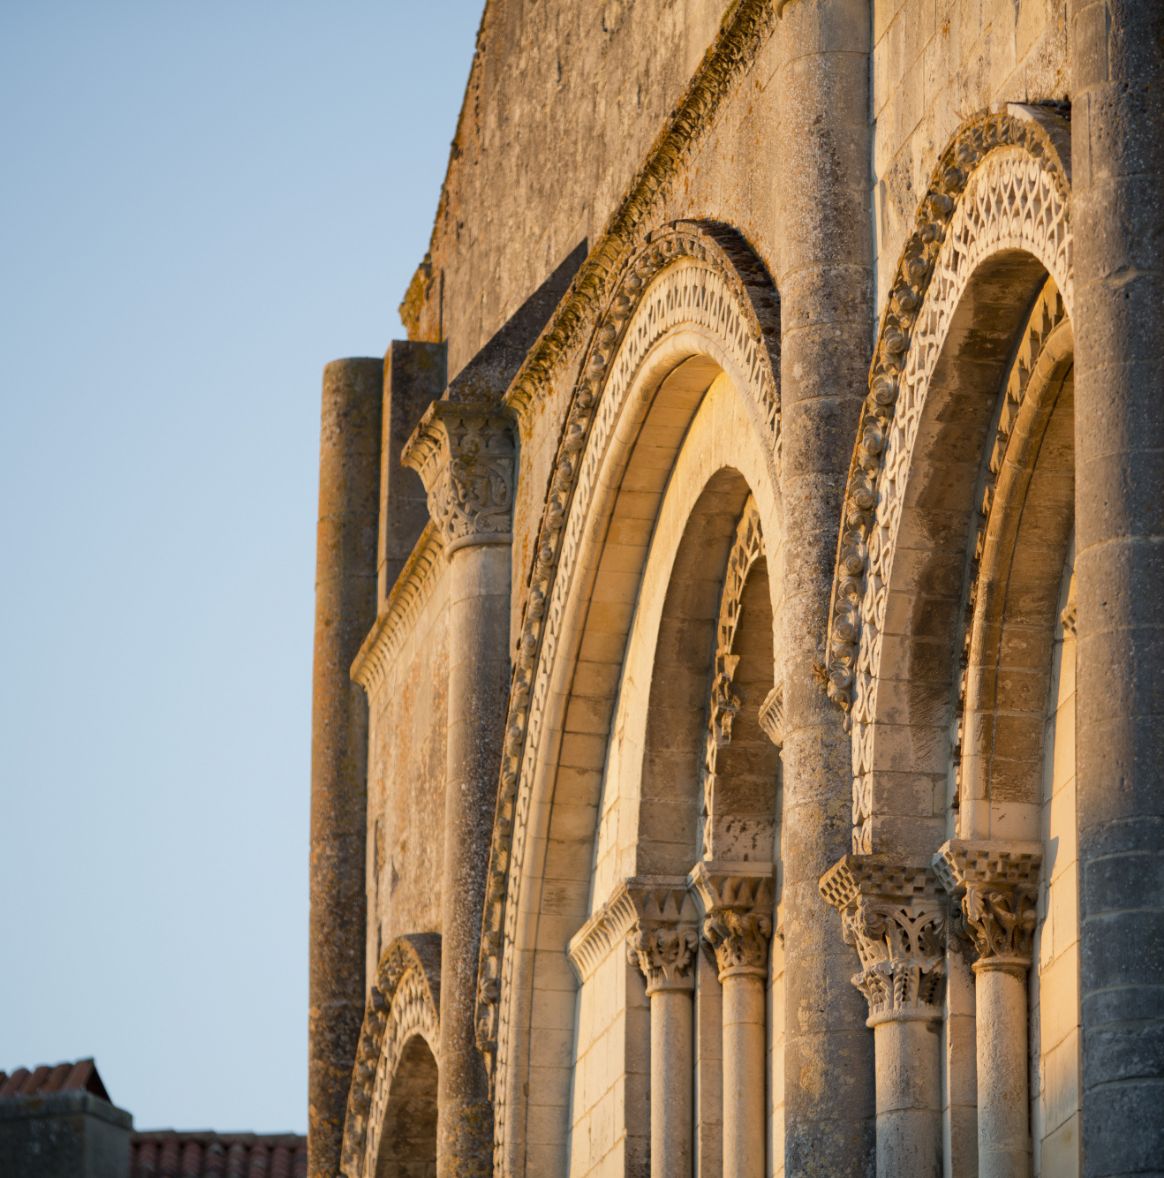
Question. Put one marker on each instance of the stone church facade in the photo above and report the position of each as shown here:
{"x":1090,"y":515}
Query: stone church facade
{"x":738,"y":680}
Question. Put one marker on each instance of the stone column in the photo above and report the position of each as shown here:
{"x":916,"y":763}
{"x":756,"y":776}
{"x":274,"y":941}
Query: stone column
{"x":345,"y":608}
{"x":997,"y":885}
{"x":464,"y":454}
{"x":824,"y":272}
{"x":737,"y":902}
{"x":1116,"y":51}
{"x":894,"y":915}
{"x":663,"y":943}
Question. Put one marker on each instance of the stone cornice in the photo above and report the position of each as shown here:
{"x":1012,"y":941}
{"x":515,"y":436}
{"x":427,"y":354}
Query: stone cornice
{"x":743,"y":33}
{"x":772,"y":715}
{"x":464,"y":454}
{"x":644,"y":898}
{"x":412,"y":589}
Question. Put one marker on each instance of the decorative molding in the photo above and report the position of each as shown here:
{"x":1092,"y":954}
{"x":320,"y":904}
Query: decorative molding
{"x":396,"y":620}
{"x":464,"y":454}
{"x":743,"y":33}
{"x":747,"y":548}
{"x":592,"y":943}
{"x":772,"y":715}
{"x":894,"y":915}
{"x":1001,"y":184}
{"x":637,"y":907}
{"x":404,"y":1003}
{"x":738,"y":903}
{"x":685,"y":275}
{"x":998,"y":885}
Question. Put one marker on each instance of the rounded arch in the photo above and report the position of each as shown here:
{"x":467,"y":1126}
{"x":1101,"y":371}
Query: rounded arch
{"x":693,"y":305}
{"x":992,"y":227}
{"x":406,"y":1146}
{"x":1027,"y":508}
{"x":402,"y":1012}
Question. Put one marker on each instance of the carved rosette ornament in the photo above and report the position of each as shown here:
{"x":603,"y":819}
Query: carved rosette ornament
{"x":998,"y":885}
{"x":737,"y":903}
{"x":894,"y":915}
{"x":464,"y":454}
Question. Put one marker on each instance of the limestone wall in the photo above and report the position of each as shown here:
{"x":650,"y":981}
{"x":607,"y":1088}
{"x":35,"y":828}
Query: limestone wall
{"x":561,"y":106}
{"x":936,"y":63}
{"x":406,"y":770}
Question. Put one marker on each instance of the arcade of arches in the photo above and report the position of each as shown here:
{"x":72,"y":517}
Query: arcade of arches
{"x":732,"y":750}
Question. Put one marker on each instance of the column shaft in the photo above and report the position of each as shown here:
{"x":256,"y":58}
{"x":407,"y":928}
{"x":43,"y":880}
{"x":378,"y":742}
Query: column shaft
{"x":909,"y":1087}
{"x":672,"y":1083}
{"x":1116,"y":50}
{"x":345,"y":608}
{"x":1004,"y":1134}
{"x":825,"y":279}
{"x":478,"y":682}
{"x":744,"y":1045}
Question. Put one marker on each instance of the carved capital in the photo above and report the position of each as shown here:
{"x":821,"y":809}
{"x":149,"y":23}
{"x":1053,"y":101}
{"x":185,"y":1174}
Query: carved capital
{"x":737,"y":901}
{"x":663,"y":939}
{"x":998,"y":886}
{"x":894,"y":915}
{"x":464,"y":454}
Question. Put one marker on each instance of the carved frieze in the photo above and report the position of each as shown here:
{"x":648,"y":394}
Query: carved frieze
{"x":737,"y":900}
{"x":894,"y":915}
{"x":997,"y":884}
{"x":464,"y":454}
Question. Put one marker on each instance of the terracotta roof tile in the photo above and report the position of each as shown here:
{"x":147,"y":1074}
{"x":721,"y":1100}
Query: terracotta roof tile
{"x":44,"y":1080}
{"x":172,"y":1153}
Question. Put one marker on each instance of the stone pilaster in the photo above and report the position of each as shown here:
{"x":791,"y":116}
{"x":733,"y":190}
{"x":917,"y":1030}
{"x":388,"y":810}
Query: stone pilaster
{"x":1116,"y":53}
{"x":822,"y":151}
{"x":997,"y":886}
{"x":737,"y":901}
{"x":663,"y":943}
{"x":464,"y":454}
{"x":894,"y":915}
{"x":345,"y":608}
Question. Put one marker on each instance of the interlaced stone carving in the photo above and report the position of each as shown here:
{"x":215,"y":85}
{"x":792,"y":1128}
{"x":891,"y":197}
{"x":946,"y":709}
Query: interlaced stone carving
{"x":1001,"y":184}
{"x":464,"y":454}
{"x":686,"y":275}
{"x":894,"y":915}
{"x":403,"y":1003}
{"x":998,"y":884}
{"x":737,"y":902}
{"x":747,"y":548}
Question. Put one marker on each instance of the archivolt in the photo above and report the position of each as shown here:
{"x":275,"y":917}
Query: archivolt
{"x":685,"y":274}
{"x":1002,"y":185}
{"x":403,"y":1003}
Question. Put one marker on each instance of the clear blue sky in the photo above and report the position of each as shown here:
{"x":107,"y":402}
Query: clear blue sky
{"x":201,"y":204}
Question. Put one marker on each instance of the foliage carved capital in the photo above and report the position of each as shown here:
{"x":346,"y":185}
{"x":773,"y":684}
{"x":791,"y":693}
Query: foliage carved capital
{"x":998,"y":886}
{"x":894,"y":915}
{"x":464,"y":454}
{"x":738,"y":903}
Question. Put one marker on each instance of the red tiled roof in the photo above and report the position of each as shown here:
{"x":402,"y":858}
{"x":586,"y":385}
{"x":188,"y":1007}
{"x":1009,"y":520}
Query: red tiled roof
{"x":44,"y":1080}
{"x":171,"y":1153}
